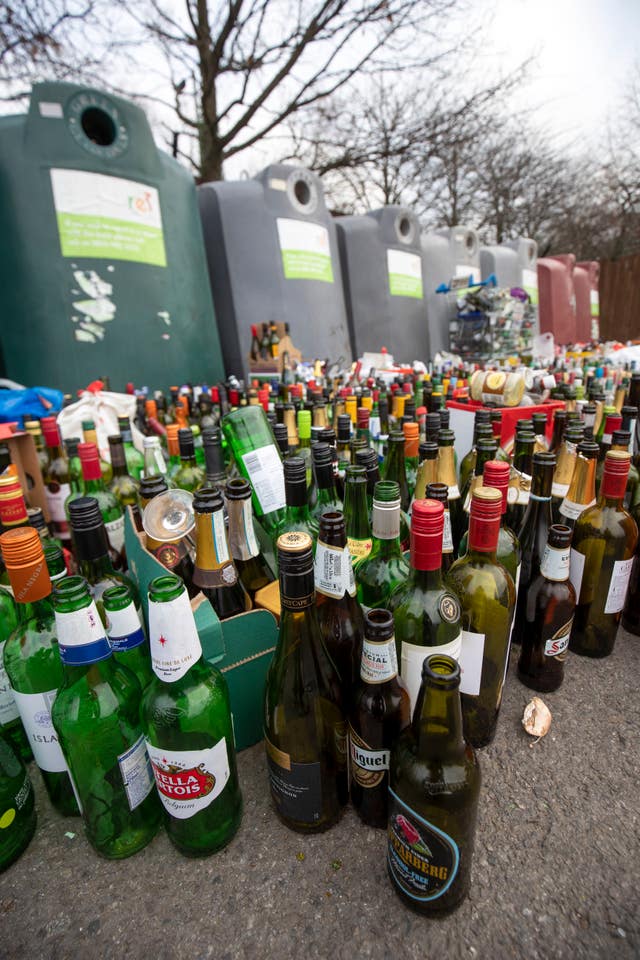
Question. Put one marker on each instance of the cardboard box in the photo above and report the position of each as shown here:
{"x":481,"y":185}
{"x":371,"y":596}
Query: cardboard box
{"x":24,"y":456}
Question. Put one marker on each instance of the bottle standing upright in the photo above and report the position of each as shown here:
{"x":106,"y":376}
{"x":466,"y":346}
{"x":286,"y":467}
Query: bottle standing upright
{"x":126,"y":634}
{"x":378,"y":575}
{"x":57,"y":479}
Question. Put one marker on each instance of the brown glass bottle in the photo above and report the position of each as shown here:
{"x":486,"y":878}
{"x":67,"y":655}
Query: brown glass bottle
{"x":381,"y":711}
{"x":214,"y":571}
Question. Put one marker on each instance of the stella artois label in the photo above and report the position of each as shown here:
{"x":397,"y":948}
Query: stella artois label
{"x":189,"y":780}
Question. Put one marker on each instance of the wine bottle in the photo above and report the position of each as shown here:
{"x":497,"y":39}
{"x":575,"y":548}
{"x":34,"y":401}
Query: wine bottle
{"x":251,"y":441}
{"x":111,"y":511}
{"x":17,"y":803}
{"x":411,"y":433}
{"x":385,"y":568}
{"x":56,"y":479}
{"x":582,"y":488}
{"x":154,"y":462}
{"x":394,"y":467}
{"x":468,"y":462}
{"x":253,"y":569}
{"x":381,"y":711}
{"x":96,"y":715}
{"x":327,"y":497}
{"x":356,"y":514}
{"x":447,"y":474}
{"x":10,"y":724}
{"x":13,"y":509}
{"x":520,"y":479}
{"x":486,"y":448}
{"x":90,"y":435}
{"x":214,"y":571}
{"x":190,"y":476}
{"x":604,"y":541}
{"x":135,"y":460}
{"x":297,"y":515}
{"x":565,"y":465}
{"x":123,"y":486}
{"x":305,"y":726}
{"x":215,"y":472}
{"x":125,"y":631}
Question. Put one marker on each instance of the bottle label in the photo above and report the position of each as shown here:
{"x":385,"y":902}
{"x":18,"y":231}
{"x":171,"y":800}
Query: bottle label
{"x":423,"y":860}
{"x":333,"y":571}
{"x":618,"y":586}
{"x":358,"y":548}
{"x":56,"y":494}
{"x":115,"y":533}
{"x":447,"y":536}
{"x":220,"y":544}
{"x":412,"y":657}
{"x":136,"y":773}
{"x":242,"y":535}
{"x":81,"y":636}
{"x":188,"y":781}
{"x":454,"y":492}
{"x":576,"y":570}
{"x":8,"y":708}
{"x":124,"y":629}
{"x":471,"y":659}
{"x":572,"y":510}
{"x":385,"y":520}
{"x":296,"y":788}
{"x":368,"y":767}
{"x":379,"y":661}
{"x":519,"y":487}
{"x":559,"y":489}
{"x":557,"y":645}
{"x":35,"y":713}
{"x":556,"y":563}
{"x":174,"y":641}
{"x":265,"y":471}
{"x":169,"y":554}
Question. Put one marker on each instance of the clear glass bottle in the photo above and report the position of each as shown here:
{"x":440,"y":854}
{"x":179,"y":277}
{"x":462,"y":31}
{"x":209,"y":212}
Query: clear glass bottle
{"x":57,"y":480}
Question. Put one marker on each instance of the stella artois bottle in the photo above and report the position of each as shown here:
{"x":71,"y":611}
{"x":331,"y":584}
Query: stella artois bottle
{"x":186,"y":718}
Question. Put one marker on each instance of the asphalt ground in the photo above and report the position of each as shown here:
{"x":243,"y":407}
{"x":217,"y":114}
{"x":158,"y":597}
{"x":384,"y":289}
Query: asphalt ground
{"x":556,"y":869}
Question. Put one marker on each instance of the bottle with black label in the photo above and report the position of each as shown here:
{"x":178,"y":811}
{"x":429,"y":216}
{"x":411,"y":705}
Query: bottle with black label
{"x":433,"y":797}
{"x":215,"y":572}
{"x":548,"y":616}
{"x":305,"y":726}
{"x":381,"y":711}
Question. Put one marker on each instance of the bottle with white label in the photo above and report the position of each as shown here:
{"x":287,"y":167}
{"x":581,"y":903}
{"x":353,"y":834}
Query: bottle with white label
{"x":520,"y":474}
{"x":214,"y":571}
{"x":96,"y":715}
{"x":110,"y":510}
{"x":10,"y":723}
{"x":604,"y":540}
{"x":425,"y":608}
{"x":186,"y":717}
{"x":32,"y":660}
{"x":378,"y":575}
{"x":381,"y":711}
{"x":548,"y":614}
{"x":125,"y":631}
{"x":487,"y":597}
{"x":249,"y":435}
{"x":253,"y":569}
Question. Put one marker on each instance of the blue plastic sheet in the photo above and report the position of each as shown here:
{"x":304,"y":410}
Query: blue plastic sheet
{"x":21,"y":405}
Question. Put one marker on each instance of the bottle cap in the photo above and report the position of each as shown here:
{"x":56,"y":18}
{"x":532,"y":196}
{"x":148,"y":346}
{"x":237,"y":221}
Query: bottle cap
{"x":185,"y":442}
{"x":304,"y":424}
{"x":321,"y":454}
{"x":496,"y":474}
{"x":484,"y":519}
{"x":90,"y":461}
{"x":427,"y":527}
{"x":428,"y":450}
{"x":24,"y":559}
{"x":150,"y":487}
{"x":295,"y":555}
{"x":50,"y":431}
{"x":362,"y":416}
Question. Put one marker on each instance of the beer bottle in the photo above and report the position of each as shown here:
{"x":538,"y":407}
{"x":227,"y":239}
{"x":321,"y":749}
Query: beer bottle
{"x":305,"y":726}
{"x":32,"y":660}
{"x":385,"y":568}
{"x":214,"y":571}
{"x":96,"y":715}
{"x":126,"y":634}
{"x":186,"y":718}
{"x":433,"y":797}
{"x":253,"y":569}
{"x":548,"y":612}
{"x":381,"y":711}
{"x":17,"y":804}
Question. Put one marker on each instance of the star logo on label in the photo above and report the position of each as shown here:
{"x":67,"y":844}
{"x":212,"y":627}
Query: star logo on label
{"x":162,"y":639}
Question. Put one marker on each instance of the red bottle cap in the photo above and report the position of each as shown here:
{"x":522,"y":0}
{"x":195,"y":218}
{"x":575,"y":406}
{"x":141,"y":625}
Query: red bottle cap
{"x":616,"y":472}
{"x":234,"y":398}
{"x":496,"y":474}
{"x":215,"y":395}
{"x":484,"y":520}
{"x":613,"y":422}
{"x":362,"y":418}
{"x":406,"y":388}
{"x":263,"y":397}
{"x":427,"y":526}
{"x":50,"y":431}
{"x":89,"y":461}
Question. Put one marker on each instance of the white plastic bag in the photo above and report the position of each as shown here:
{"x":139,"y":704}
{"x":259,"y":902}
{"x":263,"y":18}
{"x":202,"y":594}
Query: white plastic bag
{"x":103,"y":408}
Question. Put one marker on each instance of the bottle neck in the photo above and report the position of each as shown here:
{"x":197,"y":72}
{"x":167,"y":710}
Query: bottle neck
{"x":82,"y":641}
{"x":447,"y":466}
{"x":426,"y":580}
{"x":41,"y":609}
{"x":94,"y":485}
{"x":437,"y":723}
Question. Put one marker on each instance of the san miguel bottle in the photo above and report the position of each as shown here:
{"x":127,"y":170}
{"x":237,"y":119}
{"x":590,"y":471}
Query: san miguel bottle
{"x":125,"y":632}
{"x":214,"y":571}
{"x":339,"y":613}
{"x":378,"y":575}
{"x":253,"y":569}
{"x":96,"y":715}
{"x":433,"y":797}
{"x":186,"y":718}
{"x":57,"y":480}
{"x":304,"y":720}
{"x":425,"y":609}
{"x":604,"y":541}
{"x":32,"y":661}
{"x":487,"y":597}
{"x":381,"y":711}
{"x":17,"y":805}
{"x":548,"y":613}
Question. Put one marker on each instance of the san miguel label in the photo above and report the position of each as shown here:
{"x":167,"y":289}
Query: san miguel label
{"x":423,"y":860}
{"x":368,"y":766}
{"x":188,"y":781}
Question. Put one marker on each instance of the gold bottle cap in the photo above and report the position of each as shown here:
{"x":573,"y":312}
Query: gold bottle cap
{"x":487,"y":494}
{"x":295,"y":541}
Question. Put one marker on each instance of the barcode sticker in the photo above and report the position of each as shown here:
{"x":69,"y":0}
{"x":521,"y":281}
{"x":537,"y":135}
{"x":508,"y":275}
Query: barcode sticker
{"x":333,"y":571}
{"x":265,"y":471}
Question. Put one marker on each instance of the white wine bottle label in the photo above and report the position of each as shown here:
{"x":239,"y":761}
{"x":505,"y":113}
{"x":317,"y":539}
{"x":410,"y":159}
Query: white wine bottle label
{"x":556,"y":563}
{"x":189,"y":780}
{"x":242,"y":535}
{"x":471,"y":660}
{"x":124,"y":628}
{"x":559,"y":489}
{"x":454,"y":492}
{"x":220,"y":544}
{"x":368,"y":766}
{"x":519,"y":487}
{"x":379,"y":661}
{"x":266,"y":473}
{"x":8,"y":708}
{"x":385,"y":520}
{"x":35,"y":713}
{"x":173,"y":637}
{"x":56,"y":494}
{"x":423,"y":860}
{"x":576,"y":571}
{"x":115,"y":533}
{"x":558,"y":644}
{"x":572,"y":510}
{"x":617,"y":593}
{"x":447,"y":536}
{"x":412,"y":657}
{"x":137,"y":775}
{"x":296,"y":788}
{"x":333,"y":571}
{"x":81,"y":636}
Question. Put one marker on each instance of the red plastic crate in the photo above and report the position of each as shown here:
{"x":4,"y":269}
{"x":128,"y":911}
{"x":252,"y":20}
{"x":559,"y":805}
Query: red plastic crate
{"x":511,"y":415}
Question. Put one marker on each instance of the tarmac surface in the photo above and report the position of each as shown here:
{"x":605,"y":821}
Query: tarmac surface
{"x":556,"y":869}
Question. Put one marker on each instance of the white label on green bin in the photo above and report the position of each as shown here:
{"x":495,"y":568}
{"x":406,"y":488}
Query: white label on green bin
{"x":108,"y":217}
{"x":306,"y":254}
{"x":405,"y":274}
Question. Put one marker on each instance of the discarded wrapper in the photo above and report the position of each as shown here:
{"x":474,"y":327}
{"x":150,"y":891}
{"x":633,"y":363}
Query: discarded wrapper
{"x":536,"y":718}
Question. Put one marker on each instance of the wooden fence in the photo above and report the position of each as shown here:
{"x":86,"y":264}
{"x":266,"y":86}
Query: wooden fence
{"x":620,"y":298}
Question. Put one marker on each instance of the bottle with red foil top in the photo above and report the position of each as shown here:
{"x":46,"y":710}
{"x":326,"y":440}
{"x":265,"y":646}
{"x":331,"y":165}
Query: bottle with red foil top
{"x":56,"y":479}
{"x":604,"y":540}
{"x":496,"y":474}
{"x":426,"y":610}
{"x":487,"y":596}
{"x":110,"y":509}
{"x":13,"y":509}
{"x":186,"y":719}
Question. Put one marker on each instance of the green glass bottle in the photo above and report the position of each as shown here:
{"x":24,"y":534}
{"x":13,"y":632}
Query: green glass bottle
{"x":123,"y":486}
{"x":440,"y":492}
{"x":378,"y":575}
{"x":446,"y":473}
{"x":367,"y":457}
{"x":427,"y":467}
{"x":381,"y":711}
{"x":75,"y":467}
{"x":411,"y":433}
{"x":487,"y":597}
{"x":297,"y":515}
{"x":17,"y":804}
{"x":215,"y":472}
{"x":110,"y":509}
{"x":10,"y":724}
{"x":253,"y":569}
{"x":55,"y":560}
{"x":135,"y":460}
{"x":433,"y":797}
{"x":190,"y":476}
{"x":255,"y":452}
{"x":32,"y":661}
{"x":125,"y":632}
{"x":394,"y":467}
{"x":186,"y":717}
{"x":425,"y":609}
{"x":468,"y":462}
{"x":520,"y":479}
{"x":304,"y":721}
{"x":485,"y":450}
{"x":90,"y":435}
{"x":214,"y":570}
{"x":154,"y":462}
{"x":356,"y":514}
{"x":96,"y":715}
